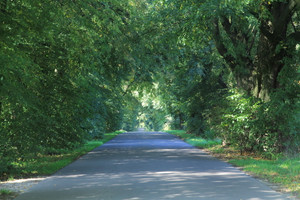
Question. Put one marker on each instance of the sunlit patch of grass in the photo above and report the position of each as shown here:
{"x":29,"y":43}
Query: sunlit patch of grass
{"x":285,"y":172}
{"x":195,"y":140}
{"x":203,"y":143}
{"x":180,"y":133}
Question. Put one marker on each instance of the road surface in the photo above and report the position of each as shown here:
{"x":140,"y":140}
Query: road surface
{"x":149,"y":166}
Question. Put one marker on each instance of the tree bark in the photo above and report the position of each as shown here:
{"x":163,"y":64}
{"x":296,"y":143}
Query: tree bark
{"x":259,"y":74}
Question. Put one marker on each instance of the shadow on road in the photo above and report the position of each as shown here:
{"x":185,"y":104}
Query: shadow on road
{"x":145,"y":165}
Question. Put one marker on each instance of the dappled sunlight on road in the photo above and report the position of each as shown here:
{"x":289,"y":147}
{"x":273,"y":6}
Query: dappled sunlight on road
{"x":143,"y":165}
{"x":162,"y":184}
{"x":166,"y":184}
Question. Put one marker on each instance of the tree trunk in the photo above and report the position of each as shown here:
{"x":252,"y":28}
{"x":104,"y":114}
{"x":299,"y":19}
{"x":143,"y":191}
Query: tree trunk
{"x":257,"y":74}
{"x":272,"y":49}
{"x":181,"y":121}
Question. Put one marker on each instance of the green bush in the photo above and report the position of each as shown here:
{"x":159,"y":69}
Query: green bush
{"x":255,"y":126}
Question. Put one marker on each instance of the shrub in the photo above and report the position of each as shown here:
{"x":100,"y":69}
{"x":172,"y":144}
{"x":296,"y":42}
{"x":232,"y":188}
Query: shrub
{"x":267,"y":127}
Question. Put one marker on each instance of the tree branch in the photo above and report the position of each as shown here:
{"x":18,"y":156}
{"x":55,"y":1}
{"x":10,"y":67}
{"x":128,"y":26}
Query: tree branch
{"x":232,"y":34}
{"x":294,"y":36}
{"x":264,"y":30}
{"x":220,"y":45}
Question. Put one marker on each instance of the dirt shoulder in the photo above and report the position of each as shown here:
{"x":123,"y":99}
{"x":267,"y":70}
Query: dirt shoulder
{"x":17,"y":187}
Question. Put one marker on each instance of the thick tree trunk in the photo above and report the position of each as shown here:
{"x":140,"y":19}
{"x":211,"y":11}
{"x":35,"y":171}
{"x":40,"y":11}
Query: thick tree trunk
{"x":257,"y":75}
{"x":272,"y":49}
{"x":268,"y":66}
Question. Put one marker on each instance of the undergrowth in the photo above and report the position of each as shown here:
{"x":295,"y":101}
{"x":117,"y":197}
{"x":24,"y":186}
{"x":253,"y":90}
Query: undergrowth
{"x":47,"y":164}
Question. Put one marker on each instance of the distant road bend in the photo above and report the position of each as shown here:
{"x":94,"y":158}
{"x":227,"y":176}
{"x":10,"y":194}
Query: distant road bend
{"x":149,"y":166}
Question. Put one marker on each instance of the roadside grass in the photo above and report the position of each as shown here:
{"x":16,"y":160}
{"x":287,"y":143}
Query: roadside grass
{"x":203,"y":143}
{"x":7,"y":194}
{"x":195,"y":140}
{"x":284,"y":172}
{"x":44,"y":165}
{"x":180,"y":133}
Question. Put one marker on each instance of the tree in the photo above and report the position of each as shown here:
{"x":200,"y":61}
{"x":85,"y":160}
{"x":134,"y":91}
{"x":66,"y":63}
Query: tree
{"x":256,"y":40}
{"x":63,"y":66}
{"x":261,"y":41}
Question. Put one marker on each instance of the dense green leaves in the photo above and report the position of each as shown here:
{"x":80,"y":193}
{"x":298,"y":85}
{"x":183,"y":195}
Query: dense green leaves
{"x":72,"y":70}
{"x":63,"y":65}
{"x":243,"y":46}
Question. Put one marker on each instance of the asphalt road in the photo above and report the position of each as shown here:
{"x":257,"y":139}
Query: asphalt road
{"x":152,"y":166}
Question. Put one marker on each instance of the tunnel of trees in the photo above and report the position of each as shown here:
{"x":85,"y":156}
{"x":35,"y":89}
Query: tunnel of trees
{"x":73,"y":70}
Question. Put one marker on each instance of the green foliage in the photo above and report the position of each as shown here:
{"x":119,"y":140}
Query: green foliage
{"x":254,"y":126}
{"x":63,"y":65}
{"x":152,"y":112}
{"x":235,"y":76}
{"x":73,"y":70}
{"x":239,"y":120}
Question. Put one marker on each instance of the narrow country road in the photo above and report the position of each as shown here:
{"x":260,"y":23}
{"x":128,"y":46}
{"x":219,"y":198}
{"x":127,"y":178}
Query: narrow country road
{"x":152,"y":166}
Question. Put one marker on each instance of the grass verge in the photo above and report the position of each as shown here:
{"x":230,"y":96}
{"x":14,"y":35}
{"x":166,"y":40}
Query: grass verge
{"x":195,"y":140}
{"x":284,"y":171}
{"x":7,"y":194}
{"x":45,"y":165}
